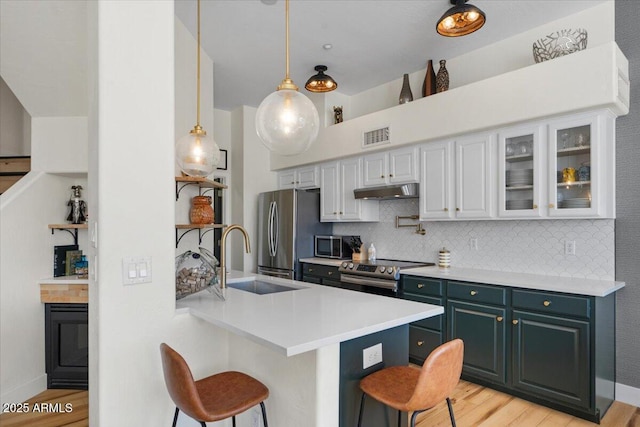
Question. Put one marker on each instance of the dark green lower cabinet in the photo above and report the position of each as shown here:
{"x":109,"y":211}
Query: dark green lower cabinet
{"x":551,"y":357}
{"x":482,"y":328}
{"x":422,"y":341}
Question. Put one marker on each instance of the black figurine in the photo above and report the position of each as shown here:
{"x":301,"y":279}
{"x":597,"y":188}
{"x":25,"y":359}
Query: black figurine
{"x":78,"y":208}
{"x":337,"y":114}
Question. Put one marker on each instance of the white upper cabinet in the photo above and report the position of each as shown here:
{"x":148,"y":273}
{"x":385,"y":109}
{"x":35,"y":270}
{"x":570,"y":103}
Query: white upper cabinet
{"x":302,"y":177}
{"x":397,"y":166}
{"x":581,"y":166}
{"x":473,"y":171}
{"x":337,"y":202}
{"x":520,"y":171}
{"x":436,"y":178}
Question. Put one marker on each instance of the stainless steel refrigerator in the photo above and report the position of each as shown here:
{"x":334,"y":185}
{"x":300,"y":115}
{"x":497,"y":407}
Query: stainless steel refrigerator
{"x":287,"y":223}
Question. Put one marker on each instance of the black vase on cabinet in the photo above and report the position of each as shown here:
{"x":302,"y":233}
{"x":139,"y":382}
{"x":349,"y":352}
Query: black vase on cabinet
{"x":405,"y":93}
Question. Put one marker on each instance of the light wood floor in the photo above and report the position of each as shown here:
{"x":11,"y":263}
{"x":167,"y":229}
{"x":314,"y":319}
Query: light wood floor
{"x":478,"y":406}
{"x":78,"y":416}
{"x":473,"y":405}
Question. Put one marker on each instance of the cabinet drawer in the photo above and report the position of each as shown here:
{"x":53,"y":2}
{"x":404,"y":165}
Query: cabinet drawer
{"x":545,"y":302}
{"x":325,"y":271}
{"x":422,"y":286}
{"x":434,"y":322}
{"x":422,"y":342}
{"x":475,"y":292}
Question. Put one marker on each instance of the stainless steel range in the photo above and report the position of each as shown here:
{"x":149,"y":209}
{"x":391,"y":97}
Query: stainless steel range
{"x":380,"y":276}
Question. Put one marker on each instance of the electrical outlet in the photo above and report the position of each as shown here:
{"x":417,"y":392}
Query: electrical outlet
{"x":372,"y":356}
{"x":473,"y":243}
{"x":569,"y":247}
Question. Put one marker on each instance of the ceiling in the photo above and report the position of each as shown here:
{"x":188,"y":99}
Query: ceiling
{"x":374,"y":41}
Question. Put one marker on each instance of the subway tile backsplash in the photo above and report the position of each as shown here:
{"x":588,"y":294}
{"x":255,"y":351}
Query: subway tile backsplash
{"x":536,"y":246}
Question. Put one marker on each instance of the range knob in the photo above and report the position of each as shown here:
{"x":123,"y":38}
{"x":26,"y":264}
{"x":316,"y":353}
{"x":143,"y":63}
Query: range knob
{"x":351,"y":266}
{"x":390,"y":271}
{"x":382,"y":269}
{"x":344,"y":264}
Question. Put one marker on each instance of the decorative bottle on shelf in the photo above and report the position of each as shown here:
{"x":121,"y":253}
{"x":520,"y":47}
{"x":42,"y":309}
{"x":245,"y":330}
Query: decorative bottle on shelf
{"x":442,"y":78}
{"x":372,"y":253}
{"x":201,"y":210}
{"x":429,"y":85}
{"x":444,"y":258}
{"x":405,"y":93}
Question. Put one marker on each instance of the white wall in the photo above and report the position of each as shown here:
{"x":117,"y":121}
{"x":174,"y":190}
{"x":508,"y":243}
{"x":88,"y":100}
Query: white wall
{"x":127,"y":386}
{"x":15,"y":124}
{"x":498,"y":58}
{"x":59,"y":144}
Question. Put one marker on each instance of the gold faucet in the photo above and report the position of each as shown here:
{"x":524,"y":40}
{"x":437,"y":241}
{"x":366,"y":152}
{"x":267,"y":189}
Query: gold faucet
{"x":223,"y":251}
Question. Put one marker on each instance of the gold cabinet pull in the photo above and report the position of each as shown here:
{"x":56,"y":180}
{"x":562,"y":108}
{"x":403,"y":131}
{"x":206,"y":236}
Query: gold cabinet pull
{"x":473,"y":293}
{"x":335,"y":213}
{"x":420,"y":343}
{"x":547,"y":303}
{"x":457,"y":209}
{"x":381,"y":176}
{"x":535,"y":206}
{"x":329,"y":273}
{"x":390,"y":175}
{"x":341,"y":212}
{"x":420,"y":286}
{"x":514,"y":321}
{"x":499,"y":318}
{"x":446,"y":209}
{"x":293,"y":182}
{"x":551,"y":205}
{"x":311,"y":270}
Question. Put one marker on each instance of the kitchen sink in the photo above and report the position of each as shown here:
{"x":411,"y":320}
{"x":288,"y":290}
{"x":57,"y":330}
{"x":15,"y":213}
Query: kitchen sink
{"x":261,"y":288}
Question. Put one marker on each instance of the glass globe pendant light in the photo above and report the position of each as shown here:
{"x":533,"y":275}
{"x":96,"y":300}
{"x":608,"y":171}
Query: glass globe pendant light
{"x":197,"y":153}
{"x":287,"y":122}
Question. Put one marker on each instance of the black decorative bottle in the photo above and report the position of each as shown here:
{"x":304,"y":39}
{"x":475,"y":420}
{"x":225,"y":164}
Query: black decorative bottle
{"x":405,"y":93}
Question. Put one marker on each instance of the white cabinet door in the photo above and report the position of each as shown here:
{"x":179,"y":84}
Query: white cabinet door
{"x":307,"y":177}
{"x":287,"y":179}
{"x":581,"y":166}
{"x":350,"y":208}
{"x":473,"y":176}
{"x":436,"y":177}
{"x":521,"y":171}
{"x":403,"y":165}
{"x":329,"y":198}
{"x":376,"y":169}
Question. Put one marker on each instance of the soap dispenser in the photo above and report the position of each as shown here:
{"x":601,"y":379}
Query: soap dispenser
{"x":372,"y":253}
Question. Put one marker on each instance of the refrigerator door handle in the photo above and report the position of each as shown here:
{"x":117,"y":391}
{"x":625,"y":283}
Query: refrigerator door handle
{"x":270,"y":227}
{"x":276,"y":227}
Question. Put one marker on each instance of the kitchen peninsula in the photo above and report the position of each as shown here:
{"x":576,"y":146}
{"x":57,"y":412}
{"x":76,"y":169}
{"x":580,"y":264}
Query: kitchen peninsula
{"x":306,"y":344}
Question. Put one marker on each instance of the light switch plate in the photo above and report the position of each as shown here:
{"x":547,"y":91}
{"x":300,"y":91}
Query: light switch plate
{"x":372,"y":356}
{"x":136,"y":270}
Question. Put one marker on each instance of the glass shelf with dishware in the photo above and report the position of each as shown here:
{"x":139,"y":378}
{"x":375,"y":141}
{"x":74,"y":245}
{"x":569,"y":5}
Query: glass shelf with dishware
{"x":573,"y":167}
{"x":519,"y":171}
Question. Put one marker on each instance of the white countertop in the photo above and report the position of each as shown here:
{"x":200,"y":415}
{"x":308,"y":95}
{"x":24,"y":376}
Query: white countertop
{"x":570,"y":285}
{"x":63,"y":280}
{"x":324,"y":261}
{"x":295,"y":322}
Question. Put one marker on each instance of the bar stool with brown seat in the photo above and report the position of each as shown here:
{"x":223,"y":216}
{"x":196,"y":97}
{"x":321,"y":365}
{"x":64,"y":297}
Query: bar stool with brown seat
{"x":409,"y":389}
{"x":213,"y":398}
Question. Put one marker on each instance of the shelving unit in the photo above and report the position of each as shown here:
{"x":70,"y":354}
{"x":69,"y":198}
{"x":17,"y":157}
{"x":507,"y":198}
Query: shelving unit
{"x":69,"y":228}
{"x":202,"y":183}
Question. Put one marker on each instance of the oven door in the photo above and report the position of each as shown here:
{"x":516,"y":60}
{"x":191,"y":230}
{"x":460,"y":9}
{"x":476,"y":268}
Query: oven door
{"x":369,"y":284}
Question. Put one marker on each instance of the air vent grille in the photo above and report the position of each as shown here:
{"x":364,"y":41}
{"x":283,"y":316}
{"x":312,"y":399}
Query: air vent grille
{"x":376,"y":137}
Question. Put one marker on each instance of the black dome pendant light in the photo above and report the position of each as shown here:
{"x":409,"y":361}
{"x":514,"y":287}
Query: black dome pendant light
{"x":460,"y":20}
{"x":320,"y":82}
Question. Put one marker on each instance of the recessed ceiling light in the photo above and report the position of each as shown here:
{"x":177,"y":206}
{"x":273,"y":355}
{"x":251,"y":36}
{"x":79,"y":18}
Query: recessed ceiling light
{"x":327,"y":46}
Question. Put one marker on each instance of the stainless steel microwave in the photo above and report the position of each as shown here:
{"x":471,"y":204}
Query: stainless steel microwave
{"x":337,"y":247}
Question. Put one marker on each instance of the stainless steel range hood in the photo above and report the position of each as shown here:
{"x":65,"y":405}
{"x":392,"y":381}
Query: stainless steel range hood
{"x":388,"y":192}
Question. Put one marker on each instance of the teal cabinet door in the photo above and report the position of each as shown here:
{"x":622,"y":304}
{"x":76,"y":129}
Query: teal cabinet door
{"x":551,"y":357}
{"x":482,"y":328}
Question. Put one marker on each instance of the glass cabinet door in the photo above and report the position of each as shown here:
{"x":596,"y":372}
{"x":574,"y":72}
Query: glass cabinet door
{"x":572,"y":168}
{"x":519,"y":151}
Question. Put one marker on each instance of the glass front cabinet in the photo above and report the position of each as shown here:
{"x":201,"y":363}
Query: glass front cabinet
{"x":581,"y":177}
{"x":520,"y":151}
{"x":561,"y":168}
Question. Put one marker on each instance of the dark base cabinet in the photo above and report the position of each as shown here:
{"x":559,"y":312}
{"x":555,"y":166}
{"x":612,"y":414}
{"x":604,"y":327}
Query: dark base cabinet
{"x":67,"y":346}
{"x":554,"y":349}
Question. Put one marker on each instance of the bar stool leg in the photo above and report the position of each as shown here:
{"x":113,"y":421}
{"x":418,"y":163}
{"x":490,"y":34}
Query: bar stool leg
{"x":233,"y":421}
{"x":264,"y":414}
{"x":175,"y":417}
{"x":414,"y":416}
{"x":361,"y":410}
{"x":453,"y":419}
{"x":399,"y":418}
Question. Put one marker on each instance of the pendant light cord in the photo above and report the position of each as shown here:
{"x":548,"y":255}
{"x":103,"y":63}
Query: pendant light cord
{"x":198,"y":73}
{"x":286,"y":13}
